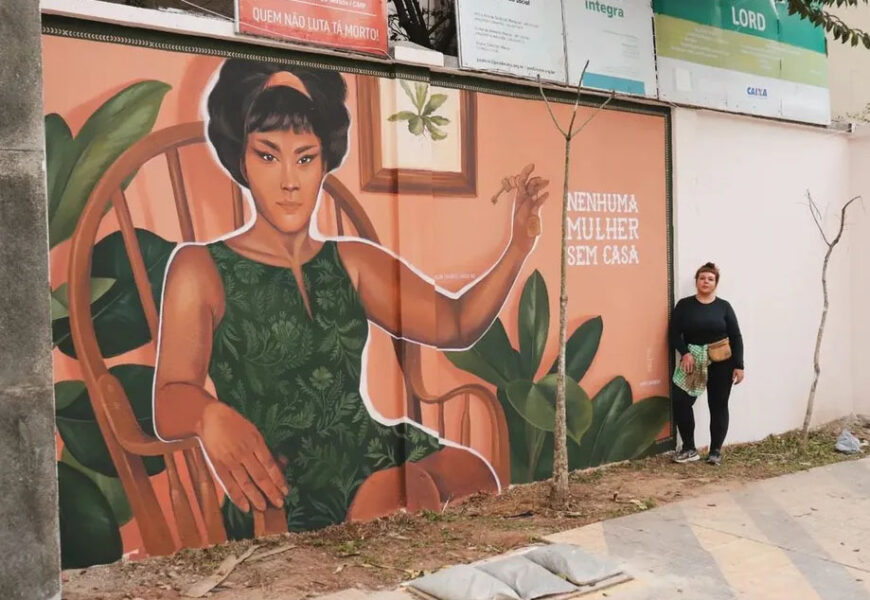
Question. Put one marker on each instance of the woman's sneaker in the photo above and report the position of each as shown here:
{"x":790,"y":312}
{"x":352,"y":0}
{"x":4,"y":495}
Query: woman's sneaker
{"x":714,"y":458}
{"x":685,"y":456}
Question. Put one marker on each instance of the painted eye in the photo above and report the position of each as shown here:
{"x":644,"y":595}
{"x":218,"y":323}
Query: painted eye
{"x":267,"y":157}
{"x":306,"y":159}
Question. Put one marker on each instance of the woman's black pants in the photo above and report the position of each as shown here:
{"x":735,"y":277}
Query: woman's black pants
{"x":719,"y":381}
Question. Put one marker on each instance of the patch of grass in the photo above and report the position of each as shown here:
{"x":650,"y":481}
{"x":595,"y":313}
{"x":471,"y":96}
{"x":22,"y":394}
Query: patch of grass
{"x":781,"y":454}
{"x":348,"y":548}
{"x":431,"y":516}
{"x":588,"y":477}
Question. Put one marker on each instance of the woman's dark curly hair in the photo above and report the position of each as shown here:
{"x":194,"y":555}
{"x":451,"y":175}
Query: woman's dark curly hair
{"x":239,"y":105}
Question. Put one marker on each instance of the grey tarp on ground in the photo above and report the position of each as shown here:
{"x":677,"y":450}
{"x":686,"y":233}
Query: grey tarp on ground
{"x":574,"y":564}
{"x":528,"y":579}
{"x":463,"y":582}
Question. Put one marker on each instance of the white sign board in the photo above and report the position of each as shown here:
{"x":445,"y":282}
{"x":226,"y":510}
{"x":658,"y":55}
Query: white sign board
{"x":524,"y":38}
{"x":616,"y":37}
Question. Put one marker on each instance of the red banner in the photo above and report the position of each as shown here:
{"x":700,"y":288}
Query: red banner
{"x":358,"y":25}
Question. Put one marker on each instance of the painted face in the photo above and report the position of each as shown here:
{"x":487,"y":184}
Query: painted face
{"x":706,"y":283}
{"x":284,"y":171}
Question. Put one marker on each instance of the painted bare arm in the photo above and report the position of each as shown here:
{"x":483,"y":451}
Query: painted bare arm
{"x":407,"y":305}
{"x":192,"y":306}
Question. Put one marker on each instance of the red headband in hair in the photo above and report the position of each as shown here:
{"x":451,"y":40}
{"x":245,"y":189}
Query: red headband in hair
{"x":287,"y":79}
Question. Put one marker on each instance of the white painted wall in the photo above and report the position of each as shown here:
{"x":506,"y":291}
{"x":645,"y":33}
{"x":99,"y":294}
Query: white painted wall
{"x":739,"y":200}
{"x":858,"y":232}
{"x":848,"y":67}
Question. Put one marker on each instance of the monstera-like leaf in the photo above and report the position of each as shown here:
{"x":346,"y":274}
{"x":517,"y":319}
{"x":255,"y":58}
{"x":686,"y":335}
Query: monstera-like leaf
{"x":118,"y":317}
{"x":88,"y":530}
{"x":59,"y":149}
{"x":620,"y":429}
{"x":531,"y":449}
{"x":81,"y":435}
{"x":636,"y":429}
{"x":580,"y":349}
{"x":60,"y":296}
{"x":492,"y":358}
{"x":536,"y":403}
{"x":533,"y":323}
{"x":75,"y":165}
{"x":110,"y":487}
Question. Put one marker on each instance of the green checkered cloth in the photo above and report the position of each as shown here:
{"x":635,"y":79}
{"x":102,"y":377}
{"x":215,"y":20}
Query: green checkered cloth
{"x":695,"y":383}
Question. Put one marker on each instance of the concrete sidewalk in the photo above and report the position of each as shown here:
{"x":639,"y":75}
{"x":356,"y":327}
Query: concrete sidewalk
{"x":800,"y":536}
{"x":804,"y":536}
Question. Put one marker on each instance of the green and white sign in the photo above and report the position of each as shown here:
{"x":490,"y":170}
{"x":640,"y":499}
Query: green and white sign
{"x":747,"y":56}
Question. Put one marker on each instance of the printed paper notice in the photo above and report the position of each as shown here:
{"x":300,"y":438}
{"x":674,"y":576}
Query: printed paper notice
{"x":524,"y":38}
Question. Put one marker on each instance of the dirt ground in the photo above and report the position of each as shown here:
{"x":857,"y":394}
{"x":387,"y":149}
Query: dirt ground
{"x":385,"y":552}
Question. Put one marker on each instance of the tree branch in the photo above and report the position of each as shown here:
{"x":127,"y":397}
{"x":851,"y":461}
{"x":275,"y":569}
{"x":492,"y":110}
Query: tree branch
{"x":441,"y":20}
{"x":843,"y":220}
{"x":409,"y":13}
{"x":550,"y":109}
{"x":577,"y":99}
{"x":817,"y":217}
{"x":594,"y":114}
{"x":809,"y":9}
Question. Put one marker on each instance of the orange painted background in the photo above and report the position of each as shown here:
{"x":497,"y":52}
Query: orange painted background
{"x":448,"y":238}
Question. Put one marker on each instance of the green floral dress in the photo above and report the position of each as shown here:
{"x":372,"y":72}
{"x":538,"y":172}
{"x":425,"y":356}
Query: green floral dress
{"x":297,"y":378}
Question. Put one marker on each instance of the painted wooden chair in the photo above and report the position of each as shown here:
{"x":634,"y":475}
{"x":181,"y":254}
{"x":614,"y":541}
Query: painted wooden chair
{"x":126,"y":441}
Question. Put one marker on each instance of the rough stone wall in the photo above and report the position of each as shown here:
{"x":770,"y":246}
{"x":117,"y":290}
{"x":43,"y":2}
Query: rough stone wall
{"x":30,"y":567}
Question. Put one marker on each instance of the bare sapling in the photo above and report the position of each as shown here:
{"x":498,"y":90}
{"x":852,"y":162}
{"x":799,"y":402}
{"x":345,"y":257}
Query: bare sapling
{"x":559,"y":493}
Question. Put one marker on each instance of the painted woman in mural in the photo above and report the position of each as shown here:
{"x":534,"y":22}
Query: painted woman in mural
{"x":278,"y":318}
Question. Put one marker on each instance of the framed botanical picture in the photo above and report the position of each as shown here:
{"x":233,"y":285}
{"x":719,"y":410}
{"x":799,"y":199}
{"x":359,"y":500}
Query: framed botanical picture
{"x":416,"y":138}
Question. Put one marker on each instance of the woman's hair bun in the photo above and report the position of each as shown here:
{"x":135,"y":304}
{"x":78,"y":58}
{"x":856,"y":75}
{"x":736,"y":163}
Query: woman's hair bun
{"x":708,"y":267}
{"x":240,"y":88}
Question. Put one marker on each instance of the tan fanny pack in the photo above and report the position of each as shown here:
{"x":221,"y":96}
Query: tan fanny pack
{"x":719,"y":351}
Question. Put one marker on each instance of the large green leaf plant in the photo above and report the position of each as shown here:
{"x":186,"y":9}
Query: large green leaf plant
{"x":92,"y":502}
{"x":609,"y":427}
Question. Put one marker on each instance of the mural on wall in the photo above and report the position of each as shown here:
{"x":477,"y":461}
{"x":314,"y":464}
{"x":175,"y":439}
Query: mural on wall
{"x":282,"y":298}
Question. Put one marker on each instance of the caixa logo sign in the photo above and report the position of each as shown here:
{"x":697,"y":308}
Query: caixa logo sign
{"x":756,"y":92}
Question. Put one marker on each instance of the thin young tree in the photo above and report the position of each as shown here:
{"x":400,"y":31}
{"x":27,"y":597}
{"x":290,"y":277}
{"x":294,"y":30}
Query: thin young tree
{"x":560,"y":491}
{"x":831,"y":244}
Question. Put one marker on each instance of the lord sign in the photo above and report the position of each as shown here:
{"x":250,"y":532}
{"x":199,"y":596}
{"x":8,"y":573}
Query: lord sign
{"x":358,"y":25}
{"x":746,"y":56}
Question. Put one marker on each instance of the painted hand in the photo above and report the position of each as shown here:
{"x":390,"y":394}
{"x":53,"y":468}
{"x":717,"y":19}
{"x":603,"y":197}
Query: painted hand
{"x":241,"y":459}
{"x":737,"y":376}
{"x":527,"y":208}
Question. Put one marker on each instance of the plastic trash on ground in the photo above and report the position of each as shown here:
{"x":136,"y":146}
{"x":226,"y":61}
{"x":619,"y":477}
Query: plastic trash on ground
{"x":848,"y":443}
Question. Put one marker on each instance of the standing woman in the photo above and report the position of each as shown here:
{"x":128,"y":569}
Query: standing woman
{"x":705,"y":332}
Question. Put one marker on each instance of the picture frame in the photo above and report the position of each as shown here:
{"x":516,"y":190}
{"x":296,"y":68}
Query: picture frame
{"x":392,"y":161}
